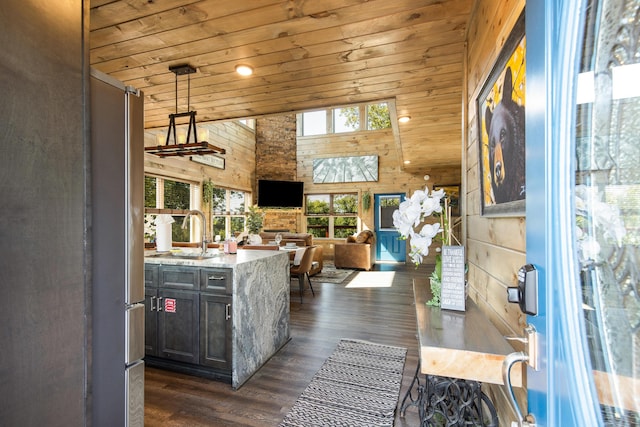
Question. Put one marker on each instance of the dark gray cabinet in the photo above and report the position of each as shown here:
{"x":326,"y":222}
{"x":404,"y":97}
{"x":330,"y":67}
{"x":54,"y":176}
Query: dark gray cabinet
{"x":172,"y":312}
{"x":215,"y":331}
{"x":178,"y":324}
{"x":215,"y":317}
{"x":188,"y":317}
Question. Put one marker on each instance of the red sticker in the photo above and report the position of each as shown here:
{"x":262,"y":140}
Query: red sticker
{"x":170,"y":305}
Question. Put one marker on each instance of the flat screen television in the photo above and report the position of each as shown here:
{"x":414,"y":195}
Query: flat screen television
{"x":280,"y":194}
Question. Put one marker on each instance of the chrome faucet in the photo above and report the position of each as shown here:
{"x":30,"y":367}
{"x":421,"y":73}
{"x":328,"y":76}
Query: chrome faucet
{"x":204,"y":227}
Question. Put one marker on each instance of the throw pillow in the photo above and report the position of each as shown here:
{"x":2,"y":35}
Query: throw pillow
{"x":364,"y":236}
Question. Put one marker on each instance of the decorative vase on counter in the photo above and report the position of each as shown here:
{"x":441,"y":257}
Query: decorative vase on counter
{"x":255,"y":239}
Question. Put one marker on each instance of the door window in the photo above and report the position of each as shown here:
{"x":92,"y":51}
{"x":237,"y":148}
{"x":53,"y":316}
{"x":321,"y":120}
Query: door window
{"x":387,"y":205}
{"x":607,"y":204}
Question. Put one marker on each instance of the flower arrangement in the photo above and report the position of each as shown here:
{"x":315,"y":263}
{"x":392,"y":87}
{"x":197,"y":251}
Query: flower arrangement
{"x":409,"y":220}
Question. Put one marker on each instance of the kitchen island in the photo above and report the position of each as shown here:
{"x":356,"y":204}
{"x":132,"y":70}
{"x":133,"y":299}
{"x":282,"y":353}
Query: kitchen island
{"x":221,"y":316}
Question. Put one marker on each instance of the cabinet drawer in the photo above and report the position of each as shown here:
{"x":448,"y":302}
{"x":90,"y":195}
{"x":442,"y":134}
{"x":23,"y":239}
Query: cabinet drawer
{"x":150,"y":276}
{"x":216,"y":280}
{"x":177,"y":277}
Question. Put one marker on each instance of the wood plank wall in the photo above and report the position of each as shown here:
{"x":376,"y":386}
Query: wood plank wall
{"x":240,"y":174}
{"x":391,"y":177}
{"x":240,"y":164}
{"x":496,"y":247}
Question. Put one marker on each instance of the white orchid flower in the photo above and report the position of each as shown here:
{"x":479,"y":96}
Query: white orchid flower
{"x":411,"y":213}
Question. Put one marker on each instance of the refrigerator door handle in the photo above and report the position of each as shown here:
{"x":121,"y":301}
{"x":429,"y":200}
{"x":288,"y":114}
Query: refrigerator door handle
{"x":134,"y":333}
{"x":159,"y":304}
{"x":153,"y":303}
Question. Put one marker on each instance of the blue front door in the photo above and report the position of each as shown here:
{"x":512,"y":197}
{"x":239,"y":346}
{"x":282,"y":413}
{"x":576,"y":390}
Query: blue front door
{"x":582,"y":174}
{"x":389,"y":247}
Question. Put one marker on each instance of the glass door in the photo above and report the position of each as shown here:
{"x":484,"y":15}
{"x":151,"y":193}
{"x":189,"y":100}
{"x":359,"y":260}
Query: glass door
{"x":583,"y":158}
{"x":607,"y":203}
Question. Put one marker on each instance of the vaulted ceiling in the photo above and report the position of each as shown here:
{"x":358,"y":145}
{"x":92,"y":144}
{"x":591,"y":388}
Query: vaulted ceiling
{"x":306,"y":54}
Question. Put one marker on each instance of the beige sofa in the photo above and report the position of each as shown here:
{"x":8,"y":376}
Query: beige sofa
{"x":356,"y":252}
{"x":300,"y":239}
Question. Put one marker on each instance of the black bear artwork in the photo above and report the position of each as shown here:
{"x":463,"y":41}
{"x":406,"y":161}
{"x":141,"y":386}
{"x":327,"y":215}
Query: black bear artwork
{"x":505,"y":129}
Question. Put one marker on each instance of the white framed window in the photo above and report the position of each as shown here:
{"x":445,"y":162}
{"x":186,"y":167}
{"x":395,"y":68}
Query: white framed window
{"x":165,"y":193}
{"x":332,"y":215}
{"x":228,"y":212}
{"x":350,"y":118}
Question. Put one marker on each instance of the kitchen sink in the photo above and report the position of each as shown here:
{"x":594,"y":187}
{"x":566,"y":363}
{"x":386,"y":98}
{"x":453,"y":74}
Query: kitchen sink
{"x":184,"y":255}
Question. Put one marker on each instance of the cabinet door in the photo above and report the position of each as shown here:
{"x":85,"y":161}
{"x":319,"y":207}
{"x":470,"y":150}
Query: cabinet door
{"x":215,"y":331}
{"x":150,"y":320}
{"x":178,"y":325}
{"x":151,"y":275}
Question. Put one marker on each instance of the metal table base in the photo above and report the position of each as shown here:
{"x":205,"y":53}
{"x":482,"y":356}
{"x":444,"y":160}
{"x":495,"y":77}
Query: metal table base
{"x":443,"y":401}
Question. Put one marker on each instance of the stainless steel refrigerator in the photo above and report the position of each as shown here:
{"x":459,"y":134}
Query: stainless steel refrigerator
{"x":117,"y":257}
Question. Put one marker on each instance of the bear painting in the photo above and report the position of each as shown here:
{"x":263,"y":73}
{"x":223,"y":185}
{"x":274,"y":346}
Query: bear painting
{"x":506,"y":145}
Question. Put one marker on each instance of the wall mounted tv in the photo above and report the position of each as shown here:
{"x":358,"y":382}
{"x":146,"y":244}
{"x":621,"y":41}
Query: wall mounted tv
{"x":280,"y":194}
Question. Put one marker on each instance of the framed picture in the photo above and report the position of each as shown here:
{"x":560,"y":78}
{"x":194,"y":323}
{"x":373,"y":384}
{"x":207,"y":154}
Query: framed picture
{"x":345,"y":169}
{"x":501,"y":124}
{"x":453,"y":193}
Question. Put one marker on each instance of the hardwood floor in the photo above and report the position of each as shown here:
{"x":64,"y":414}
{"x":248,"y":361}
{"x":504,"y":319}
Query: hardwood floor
{"x":380,"y":314}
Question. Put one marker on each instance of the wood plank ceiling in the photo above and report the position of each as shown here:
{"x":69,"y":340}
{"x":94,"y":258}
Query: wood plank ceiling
{"x":306,"y":54}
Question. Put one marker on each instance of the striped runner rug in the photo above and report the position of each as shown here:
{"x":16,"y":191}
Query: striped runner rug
{"x":358,"y":385}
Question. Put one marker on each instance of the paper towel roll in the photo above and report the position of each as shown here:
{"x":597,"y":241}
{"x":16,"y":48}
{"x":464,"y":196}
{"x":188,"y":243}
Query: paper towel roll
{"x":163,"y":232}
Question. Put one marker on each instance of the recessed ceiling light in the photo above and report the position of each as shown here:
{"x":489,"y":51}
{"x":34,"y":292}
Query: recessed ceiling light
{"x":244,"y":70}
{"x":406,"y":162}
{"x":404,"y":119}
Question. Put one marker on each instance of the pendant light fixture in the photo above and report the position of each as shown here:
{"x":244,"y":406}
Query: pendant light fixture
{"x":188,"y":148}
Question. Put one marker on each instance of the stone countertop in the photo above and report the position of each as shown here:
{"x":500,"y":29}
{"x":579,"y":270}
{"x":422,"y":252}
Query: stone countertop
{"x":213,"y":258}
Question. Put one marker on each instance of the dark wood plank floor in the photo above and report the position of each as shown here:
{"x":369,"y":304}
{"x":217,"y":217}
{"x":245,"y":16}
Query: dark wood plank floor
{"x":384,"y":315}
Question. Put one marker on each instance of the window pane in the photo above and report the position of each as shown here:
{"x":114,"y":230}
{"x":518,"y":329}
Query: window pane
{"x":317,"y":204}
{"x":346,"y":119}
{"x":378,"y":116}
{"x":178,"y":234}
{"x":251,"y":123}
{"x":237,"y":202}
{"x":237,"y":225}
{"x":150,"y":191}
{"x":219,"y":200}
{"x":318,"y":226}
{"x":176,"y":195}
{"x":345,"y":226}
{"x":387,"y":205}
{"x":218,"y":226}
{"x":314,"y":123}
{"x":345,"y":203}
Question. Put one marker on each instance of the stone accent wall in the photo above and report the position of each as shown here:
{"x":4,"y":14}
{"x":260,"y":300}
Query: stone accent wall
{"x":282,"y":219}
{"x":276,"y":148}
{"x":276,"y":158}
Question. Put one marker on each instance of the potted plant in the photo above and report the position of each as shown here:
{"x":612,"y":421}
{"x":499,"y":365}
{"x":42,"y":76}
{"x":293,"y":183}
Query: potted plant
{"x":255,"y":218}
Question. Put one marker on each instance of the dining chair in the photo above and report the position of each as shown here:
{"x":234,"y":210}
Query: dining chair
{"x":302,"y":270}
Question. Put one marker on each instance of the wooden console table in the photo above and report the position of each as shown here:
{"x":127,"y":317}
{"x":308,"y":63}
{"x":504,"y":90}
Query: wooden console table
{"x":458,"y":352}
